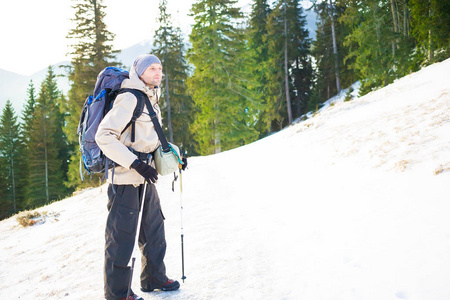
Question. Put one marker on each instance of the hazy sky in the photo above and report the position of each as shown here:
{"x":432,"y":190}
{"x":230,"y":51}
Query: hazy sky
{"x":33,"y":32}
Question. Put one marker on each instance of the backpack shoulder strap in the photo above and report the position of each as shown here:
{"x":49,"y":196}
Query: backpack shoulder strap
{"x":142,"y":99}
{"x":159,"y":131}
{"x":137,"y":110}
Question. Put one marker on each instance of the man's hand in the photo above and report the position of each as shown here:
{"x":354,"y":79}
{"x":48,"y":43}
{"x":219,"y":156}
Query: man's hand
{"x":148,"y":172}
{"x":184,"y":165}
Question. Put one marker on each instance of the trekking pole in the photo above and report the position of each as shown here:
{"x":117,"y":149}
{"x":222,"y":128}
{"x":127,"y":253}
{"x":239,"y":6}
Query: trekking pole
{"x":131,"y":277}
{"x":182,"y":234}
{"x":141,"y":211}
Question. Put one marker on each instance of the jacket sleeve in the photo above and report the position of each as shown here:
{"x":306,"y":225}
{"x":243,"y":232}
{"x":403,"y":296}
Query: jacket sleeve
{"x":111,"y":127}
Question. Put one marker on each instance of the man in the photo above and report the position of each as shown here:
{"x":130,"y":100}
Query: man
{"x":126,"y":186}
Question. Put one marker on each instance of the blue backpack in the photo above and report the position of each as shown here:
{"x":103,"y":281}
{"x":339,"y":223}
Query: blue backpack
{"x":94,"y":109}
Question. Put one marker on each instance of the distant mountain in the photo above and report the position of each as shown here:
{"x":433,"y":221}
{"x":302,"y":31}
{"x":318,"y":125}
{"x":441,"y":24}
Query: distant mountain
{"x":14,"y":86}
{"x":311,"y":19}
{"x":128,"y":55}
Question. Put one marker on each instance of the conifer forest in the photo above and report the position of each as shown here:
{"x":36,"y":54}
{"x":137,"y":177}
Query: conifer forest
{"x":236,"y":78}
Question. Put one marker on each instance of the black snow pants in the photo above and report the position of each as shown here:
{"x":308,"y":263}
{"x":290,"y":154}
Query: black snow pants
{"x":120,"y":233}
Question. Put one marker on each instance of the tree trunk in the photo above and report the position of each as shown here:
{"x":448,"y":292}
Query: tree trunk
{"x":430,"y":46}
{"x":395,"y":21}
{"x":169,"y":115}
{"x":98,"y":54}
{"x":12,"y":172}
{"x":299,"y":95}
{"x":378,"y":31}
{"x":217,"y":148}
{"x":430,"y":32}
{"x":286,"y":77}
{"x":394,"y":15}
{"x":45,"y":159}
{"x":335,"y":50}
{"x":405,"y":18}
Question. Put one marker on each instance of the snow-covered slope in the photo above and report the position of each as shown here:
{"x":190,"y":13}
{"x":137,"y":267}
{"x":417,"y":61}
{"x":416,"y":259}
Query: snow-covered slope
{"x":352,"y":203}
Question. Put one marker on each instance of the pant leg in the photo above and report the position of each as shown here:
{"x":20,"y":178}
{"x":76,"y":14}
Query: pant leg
{"x":120,"y":234}
{"x":152,"y":242}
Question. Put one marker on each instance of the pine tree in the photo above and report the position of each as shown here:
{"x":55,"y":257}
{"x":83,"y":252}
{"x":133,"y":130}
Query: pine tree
{"x":28,"y":111}
{"x":259,"y":51}
{"x":12,"y":172}
{"x":373,"y":33}
{"x":290,"y":65}
{"x":28,"y":117}
{"x":383,"y":40}
{"x":92,"y":51}
{"x":406,"y":58}
{"x":322,"y":50}
{"x":183,"y":110}
{"x":163,"y":39}
{"x":46,"y":176}
{"x":5,"y":207}
{"x":379,"y":47}
{"x":221,"y":85}
{"x":300,"y":56}
{"x":65,"y":150}
{"x":276,"y":86}
{"x":431,"y":28}
{"x":176,"y":103}
{"x":335,"y":48}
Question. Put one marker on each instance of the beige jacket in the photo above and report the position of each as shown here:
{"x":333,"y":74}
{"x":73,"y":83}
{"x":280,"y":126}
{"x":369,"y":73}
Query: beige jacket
{"x":114,"y":144}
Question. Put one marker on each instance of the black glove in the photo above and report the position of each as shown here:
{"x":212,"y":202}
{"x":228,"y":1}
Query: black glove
{"x":184,"y":165}
{"x":148,"y":172}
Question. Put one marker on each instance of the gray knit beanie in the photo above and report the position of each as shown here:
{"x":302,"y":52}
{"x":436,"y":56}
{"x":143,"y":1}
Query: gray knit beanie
{"x":143,"y":62}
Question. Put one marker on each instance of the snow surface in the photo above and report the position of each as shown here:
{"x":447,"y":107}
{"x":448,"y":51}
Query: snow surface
{"x":352,"y":203}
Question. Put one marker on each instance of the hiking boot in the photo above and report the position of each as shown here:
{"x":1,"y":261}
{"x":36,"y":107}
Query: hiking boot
{"x":133,"y":297}
{"x":170,"y":285}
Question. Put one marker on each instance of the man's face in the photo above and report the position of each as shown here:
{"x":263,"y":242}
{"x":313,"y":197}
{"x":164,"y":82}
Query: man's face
{"x":152,"y":75}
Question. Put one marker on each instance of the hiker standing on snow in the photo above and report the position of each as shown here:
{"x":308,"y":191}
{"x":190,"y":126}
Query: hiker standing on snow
{"x":135,"y":166}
